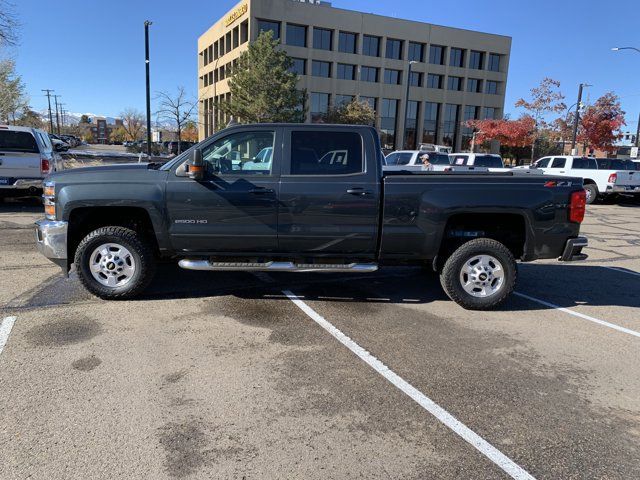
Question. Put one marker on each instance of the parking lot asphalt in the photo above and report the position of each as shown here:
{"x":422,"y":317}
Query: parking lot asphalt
{"x":239,"y":375}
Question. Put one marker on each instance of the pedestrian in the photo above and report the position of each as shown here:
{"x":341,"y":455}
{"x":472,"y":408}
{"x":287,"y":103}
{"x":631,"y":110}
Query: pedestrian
{"x":426,"y":164}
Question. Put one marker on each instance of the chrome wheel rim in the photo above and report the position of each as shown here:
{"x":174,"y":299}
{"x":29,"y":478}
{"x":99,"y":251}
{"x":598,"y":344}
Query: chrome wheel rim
{"x":112,"y":265}
{"x":482,"y":276}
{"x":588,"y":192}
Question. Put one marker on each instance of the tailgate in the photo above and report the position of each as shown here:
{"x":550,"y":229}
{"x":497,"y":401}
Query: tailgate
{"x":19,"y":155}
{"x":626,"y":178}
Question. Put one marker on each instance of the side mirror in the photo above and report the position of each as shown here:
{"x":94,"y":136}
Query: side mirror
{"x":195,"y":165}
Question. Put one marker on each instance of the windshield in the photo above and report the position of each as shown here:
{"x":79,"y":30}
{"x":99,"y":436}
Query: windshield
{"x":11,"y":141}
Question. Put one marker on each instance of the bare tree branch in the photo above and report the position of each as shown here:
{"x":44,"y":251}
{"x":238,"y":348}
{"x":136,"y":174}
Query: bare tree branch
{"x":8,"y":25}
{"x":177,"y":110}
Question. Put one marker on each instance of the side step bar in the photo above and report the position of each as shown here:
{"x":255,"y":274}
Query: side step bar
{"x":276,"y":266}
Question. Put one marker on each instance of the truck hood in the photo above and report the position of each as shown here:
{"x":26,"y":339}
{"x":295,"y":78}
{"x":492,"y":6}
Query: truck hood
{"x":123,"y":173}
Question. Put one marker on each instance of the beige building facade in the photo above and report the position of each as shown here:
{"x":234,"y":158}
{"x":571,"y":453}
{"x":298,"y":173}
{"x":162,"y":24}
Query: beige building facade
{"x":454,"y":75}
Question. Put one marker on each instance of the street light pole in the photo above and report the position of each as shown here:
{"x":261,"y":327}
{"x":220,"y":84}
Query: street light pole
{"x":577,"y":117}
{"x":406,"y":105}
{"x":146,"y":62}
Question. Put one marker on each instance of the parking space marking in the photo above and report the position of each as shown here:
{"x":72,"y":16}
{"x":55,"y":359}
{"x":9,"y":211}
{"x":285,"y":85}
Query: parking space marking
{"x":459,"y":428}
{"x":623,"y":270}
{"x":580,"y":315}
{"x":5,"y":330}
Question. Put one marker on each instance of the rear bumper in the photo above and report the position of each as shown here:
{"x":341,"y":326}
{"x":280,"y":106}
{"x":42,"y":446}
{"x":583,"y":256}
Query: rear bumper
{"x":624,"y":189}
{"x":51,"y":239}
{"x":573,"y":250}
{"x":23,"y":184}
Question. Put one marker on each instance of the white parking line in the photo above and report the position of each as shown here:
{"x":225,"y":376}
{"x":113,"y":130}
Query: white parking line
{"x":623,"y":270}
{"x":580,"y":315}
{"x":5,"y":330}
{"x":479,"y":443}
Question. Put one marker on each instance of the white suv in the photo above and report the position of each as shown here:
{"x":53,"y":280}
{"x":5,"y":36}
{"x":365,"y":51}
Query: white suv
{"x":26,"y":158}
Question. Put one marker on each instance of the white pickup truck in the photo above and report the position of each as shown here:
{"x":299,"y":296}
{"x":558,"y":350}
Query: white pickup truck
{"x":26,"y":157}
{"x":410,"y":160}
{"x":598,"y":183}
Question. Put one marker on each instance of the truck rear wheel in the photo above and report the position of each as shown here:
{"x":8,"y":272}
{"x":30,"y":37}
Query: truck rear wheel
{"x":592,"y":193}
{"x":480,"y":274}
{"x":114,"y":263}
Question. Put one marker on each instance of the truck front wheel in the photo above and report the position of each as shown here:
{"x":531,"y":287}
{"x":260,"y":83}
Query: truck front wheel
{"x":114,"y":263}
{"x":480,"y":274}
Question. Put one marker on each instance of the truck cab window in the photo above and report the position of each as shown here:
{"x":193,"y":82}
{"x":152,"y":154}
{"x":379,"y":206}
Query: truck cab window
{"x":240,"y":153}
{"x":316,"y":152}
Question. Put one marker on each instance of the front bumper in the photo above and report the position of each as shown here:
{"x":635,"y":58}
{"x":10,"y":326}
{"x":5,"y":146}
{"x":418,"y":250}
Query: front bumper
{"x":573,"y":250}
{"x":51,"y":239}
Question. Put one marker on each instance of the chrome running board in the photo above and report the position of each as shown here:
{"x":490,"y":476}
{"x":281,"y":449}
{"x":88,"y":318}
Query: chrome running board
{"x":276,"y":266}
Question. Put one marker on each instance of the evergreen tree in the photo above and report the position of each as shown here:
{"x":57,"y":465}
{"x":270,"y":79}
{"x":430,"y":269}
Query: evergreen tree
{"x":263,"y":88}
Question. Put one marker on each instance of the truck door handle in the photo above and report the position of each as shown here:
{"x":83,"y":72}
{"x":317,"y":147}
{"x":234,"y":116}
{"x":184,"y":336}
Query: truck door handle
{"x":261,"y":190}
{"x":358,"y":191}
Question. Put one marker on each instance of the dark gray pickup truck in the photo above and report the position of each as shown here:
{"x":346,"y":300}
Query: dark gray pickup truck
{"x":305,"y":198}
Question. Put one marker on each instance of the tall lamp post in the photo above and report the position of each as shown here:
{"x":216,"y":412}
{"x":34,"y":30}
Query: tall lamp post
{"x":406,"y":104}
{"x":617,"y":49}
{"x":577,"y":117}
{"x":146,"y":63}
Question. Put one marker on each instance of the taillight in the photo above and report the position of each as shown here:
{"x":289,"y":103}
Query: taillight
{"x":578,"y":206}
{"x":45,"y":166}
{"x":613,"y":177}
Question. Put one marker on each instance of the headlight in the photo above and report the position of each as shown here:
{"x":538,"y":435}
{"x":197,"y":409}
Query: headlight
{"x":49,"y":195}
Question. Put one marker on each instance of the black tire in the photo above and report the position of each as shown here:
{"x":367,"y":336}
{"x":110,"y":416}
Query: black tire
{"x":140,"y":251}
{"x":450,"y":276}
{"x":592,"y":193}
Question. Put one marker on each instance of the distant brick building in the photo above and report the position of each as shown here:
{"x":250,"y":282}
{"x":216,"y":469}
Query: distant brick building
{"x":101,"y":129}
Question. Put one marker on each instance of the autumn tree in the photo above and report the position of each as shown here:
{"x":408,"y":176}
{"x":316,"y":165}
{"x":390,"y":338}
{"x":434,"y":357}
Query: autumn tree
{"x":177,"y":110}
{"x":601,"y":122}
{"x":118,"y":135}
{"x":355,"y":112}
{"x":545,"y":99}
{"x":263,"y":87}
{"x":514,"y":134}
{"x":133,"y":123}
{"x":190,"y":132}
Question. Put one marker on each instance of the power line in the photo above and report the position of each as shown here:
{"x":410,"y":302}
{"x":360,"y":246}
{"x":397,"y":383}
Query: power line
{"x":48,"y":93}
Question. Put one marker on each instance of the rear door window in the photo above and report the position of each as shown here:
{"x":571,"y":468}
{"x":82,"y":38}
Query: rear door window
{"x":11,"y":141}
{"x":559,"y":162}
{"x":459,"y":159}
{"x":488,"y":161}
{"x":316,"y":152}
{"x":404,"y":158}
{"x":585,"y":163}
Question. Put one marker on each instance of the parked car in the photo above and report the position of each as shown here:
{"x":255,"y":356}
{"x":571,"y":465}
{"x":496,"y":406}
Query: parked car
{"x":70,"y":139}
{"x":27,"y":156}
{"x":305,"y":214}
{"x":598,"y":183}
{"x":483,"y":160}
{"x":172,"y":148}
{"x":59,"y":145}
{"x":411,"y":160}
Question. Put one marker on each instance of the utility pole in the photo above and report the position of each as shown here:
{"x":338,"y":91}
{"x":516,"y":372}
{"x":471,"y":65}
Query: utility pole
{"x":638,"y":132}
{"x":406,"y":107}
{"x":146,"y":62}
{"x":576,"y":119}
{"x":61,"y":105}
{"x":48,"y":94}
{"x":55,"y":97}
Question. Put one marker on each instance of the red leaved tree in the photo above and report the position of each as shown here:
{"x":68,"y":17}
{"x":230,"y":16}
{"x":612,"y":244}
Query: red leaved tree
{"x":515,"y":134}
{"x":600,"y":123}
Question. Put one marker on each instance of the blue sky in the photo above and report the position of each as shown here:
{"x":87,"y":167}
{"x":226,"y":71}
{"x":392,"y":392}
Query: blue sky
{"x":94,"y":55}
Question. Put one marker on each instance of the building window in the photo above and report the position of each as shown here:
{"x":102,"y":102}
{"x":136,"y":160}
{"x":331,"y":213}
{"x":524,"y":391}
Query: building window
{"x":221,"y":46}
{"x":430,"y":123}
{"x":369,"y":74}
{"x":470,"y":113}
{"x":434,"y":81}
{"x":450,"y":125}
{"x":215,"y":50}
{"x":454,"y":83}
{"x":244,"y":32}
{"x":436,"y":55}
{"x":416,"y":52}
{"x":394,"y":49}
{"x":266,"y":25}
{"x":341,"y":100}
{"x":347,"y":42}
{"x":388,"y":115}
{"x":346,"y":71}
{"x":322,"y":38}
{"x":296,"y":35}
{"x":319,"y":106}
{"x":299,"y":66}
{"x":415,"y":79}
{"x":490,"y":113}
{"x":474,"y":85}
{"x":392,"y":77}
{"x":371,"y":101}
{"x":476,"y":60}
{"x":371,"y":45}
{"x":491,"y":87}
{"x":320,"y":69}
{"x":494,"y":62}
{"x":236,"y":37}
{"x":227,"y":42}
{"x":456,"y":57}
{"x":412,"y":123}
